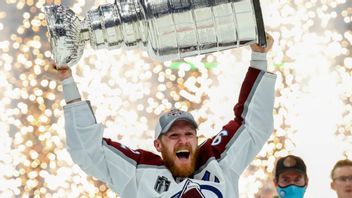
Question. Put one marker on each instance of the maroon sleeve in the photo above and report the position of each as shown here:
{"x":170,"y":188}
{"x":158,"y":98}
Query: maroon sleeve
{"x":216,"y":145}
{"x":139,"y":156}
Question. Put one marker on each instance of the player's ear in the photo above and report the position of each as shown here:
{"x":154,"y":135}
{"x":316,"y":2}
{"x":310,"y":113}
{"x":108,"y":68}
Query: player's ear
{"x":157,"y":144}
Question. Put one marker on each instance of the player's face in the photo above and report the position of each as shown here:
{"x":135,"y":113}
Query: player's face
{"x":179,"y":147}
{"x":342,"y":181}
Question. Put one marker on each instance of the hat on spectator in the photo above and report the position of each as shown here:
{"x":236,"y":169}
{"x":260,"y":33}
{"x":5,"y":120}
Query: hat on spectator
{"x":290,"y":162}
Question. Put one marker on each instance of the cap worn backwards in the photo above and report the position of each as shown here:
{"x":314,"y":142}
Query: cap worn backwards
{"x":290,"y":162}
{"x":167,"y":119}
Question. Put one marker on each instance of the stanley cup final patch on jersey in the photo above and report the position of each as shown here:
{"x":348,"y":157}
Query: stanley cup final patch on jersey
{"x":162,"y":184}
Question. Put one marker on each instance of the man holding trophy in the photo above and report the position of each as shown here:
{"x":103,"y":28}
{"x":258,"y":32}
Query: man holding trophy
{"x":184,"y":169}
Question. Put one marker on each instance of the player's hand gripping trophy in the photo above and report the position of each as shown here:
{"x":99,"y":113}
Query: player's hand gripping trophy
{"x":167,"y":29}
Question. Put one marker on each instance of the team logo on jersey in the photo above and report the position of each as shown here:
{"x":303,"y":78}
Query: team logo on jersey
{"x":195,"y":190}
{"x":162,"y":184}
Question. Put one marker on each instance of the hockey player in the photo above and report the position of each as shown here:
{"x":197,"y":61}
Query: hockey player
{"x":184,"y":169}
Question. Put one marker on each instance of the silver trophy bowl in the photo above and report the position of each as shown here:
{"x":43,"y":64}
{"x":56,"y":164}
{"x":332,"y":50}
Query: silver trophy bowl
{"x":64,"y":35}
{"x":167,"y":29}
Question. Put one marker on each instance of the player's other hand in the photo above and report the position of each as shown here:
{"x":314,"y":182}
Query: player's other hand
{"x":269,"y":44}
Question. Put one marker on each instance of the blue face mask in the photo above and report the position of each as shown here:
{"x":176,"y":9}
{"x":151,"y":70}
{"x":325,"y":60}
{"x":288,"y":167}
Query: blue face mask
{"x":291,"y":191}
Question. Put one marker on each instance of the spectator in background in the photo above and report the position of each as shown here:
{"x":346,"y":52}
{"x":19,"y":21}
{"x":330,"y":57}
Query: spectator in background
{"x":291,"y":179}
{"x":341,"y":176}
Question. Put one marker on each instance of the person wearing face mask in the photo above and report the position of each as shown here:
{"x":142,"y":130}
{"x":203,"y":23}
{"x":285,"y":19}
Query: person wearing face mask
{"x":291,"y":179}
{"x":341,"y":176}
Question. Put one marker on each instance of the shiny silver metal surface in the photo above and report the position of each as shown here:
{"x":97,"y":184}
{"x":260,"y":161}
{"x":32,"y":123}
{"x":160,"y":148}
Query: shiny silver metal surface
{"x":167,"y":29}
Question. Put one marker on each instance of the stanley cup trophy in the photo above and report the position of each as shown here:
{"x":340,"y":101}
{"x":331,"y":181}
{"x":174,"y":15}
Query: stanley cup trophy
{"x":167,"y":29}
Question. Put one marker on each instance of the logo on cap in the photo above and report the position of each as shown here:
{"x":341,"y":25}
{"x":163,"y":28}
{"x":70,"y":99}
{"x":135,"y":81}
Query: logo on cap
{"x":175,"y":112}
{"x":290,"y":162}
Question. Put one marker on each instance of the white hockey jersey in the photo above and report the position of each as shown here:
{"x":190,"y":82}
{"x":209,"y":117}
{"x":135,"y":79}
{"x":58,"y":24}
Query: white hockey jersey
{"x":142,"y":174}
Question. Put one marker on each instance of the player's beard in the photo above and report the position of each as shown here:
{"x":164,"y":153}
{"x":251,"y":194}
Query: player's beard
{"x":176,"y":169}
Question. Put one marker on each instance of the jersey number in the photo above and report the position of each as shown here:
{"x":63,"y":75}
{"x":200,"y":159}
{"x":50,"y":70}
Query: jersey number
{"x":218,"y":138}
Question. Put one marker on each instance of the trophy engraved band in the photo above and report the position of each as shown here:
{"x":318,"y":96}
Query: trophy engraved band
{"x":167,"y":29}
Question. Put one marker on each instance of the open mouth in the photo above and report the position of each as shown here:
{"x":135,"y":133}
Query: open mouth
{"x":183,"y":154}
